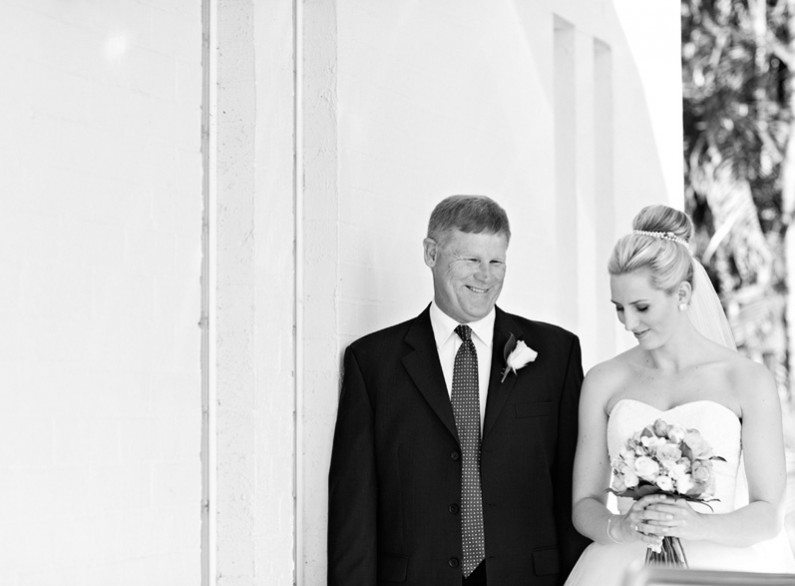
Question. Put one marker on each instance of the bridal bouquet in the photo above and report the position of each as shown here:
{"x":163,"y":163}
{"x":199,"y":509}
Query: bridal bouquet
{"x":665,"y":459}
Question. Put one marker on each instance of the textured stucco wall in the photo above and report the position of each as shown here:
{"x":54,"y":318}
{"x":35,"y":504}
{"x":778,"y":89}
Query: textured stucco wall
{"x":253,"y":535}
{"x":100,"y":256}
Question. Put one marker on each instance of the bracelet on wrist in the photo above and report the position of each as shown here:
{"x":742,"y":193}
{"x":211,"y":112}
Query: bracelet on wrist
{"x":609,"y":529}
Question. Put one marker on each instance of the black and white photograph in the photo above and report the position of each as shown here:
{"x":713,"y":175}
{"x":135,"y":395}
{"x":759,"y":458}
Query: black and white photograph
{"x":397,"y":292}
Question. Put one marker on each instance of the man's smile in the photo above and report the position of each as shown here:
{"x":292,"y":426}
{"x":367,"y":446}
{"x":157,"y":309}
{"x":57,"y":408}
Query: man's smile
{"x":477,"y":289}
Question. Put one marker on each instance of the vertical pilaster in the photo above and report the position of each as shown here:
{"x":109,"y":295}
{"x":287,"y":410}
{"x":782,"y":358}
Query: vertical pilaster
{"x":252,"y":412}
{"x":318,"y":298}
{"x":565,"y":219}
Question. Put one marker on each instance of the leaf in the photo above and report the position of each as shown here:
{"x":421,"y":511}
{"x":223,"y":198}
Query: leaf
{"x":638,"y":492}
{"x":509,"y":347}
{"x":647,"y":489}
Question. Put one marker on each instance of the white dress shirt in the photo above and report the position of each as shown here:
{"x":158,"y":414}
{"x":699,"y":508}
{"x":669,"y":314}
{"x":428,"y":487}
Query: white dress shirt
{"x":448,"y":342}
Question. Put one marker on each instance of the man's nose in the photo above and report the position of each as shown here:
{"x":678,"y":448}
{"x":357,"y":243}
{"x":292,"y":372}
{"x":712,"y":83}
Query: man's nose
{"x":484,"y":271}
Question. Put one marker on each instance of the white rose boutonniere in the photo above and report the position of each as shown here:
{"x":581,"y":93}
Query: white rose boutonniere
{"x":517,"y":355}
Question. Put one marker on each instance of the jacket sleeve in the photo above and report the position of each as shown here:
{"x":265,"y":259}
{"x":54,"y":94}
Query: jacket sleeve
{"x":352,"y":543}
{"x":571,"y":542}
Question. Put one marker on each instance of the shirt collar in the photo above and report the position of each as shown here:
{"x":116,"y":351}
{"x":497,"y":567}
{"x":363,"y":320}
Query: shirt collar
{"x":444,"y":326}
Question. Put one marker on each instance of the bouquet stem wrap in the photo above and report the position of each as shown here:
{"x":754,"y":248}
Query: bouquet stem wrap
{"x":672,"y":554}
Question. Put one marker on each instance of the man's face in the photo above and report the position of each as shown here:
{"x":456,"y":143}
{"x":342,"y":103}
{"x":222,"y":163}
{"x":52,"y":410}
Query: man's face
{"x":468,"y":272}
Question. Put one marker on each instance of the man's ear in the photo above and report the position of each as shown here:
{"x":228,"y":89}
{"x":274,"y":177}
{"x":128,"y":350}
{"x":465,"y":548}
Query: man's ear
{"x":431,"y":249}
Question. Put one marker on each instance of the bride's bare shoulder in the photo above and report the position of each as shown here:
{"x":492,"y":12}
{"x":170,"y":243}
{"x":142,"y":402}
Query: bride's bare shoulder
{"x":740,"y":367}
{"x":620,"y":365}
{"x":750,"y":380}
{"x":611,"y":375}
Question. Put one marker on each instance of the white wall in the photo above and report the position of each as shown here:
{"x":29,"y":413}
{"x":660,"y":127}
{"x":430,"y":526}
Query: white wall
{"x":253,"y":369}
{"x":100,"y":254}
{"x":503,"y":100}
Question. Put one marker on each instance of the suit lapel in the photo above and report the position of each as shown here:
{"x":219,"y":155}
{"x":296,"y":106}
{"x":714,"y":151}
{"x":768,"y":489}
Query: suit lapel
{"x":425,"y":370}
{"x":499,"y":392}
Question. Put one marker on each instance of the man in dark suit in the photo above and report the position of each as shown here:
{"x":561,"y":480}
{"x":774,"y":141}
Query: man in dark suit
{"x":450,"y":466}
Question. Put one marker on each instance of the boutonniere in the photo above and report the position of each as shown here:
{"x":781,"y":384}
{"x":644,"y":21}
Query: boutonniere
{"x":517,"y":354}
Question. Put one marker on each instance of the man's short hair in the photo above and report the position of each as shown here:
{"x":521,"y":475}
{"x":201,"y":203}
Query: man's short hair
{"x":473,"y":214}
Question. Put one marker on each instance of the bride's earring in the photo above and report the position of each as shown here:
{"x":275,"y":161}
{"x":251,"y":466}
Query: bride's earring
{"x":682,"y":306}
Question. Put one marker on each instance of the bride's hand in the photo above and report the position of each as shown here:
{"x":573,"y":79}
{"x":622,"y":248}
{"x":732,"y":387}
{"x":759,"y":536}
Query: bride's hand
{"x":639,"y":523}
{"x":677,"y":518}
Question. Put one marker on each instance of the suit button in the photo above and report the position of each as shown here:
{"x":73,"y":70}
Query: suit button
{"x":454,"y":456}
{"x":453,"y":562}
{"x":453,"y":508}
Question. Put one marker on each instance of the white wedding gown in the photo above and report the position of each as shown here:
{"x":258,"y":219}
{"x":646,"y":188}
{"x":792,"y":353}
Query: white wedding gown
{"x":606,"y":564}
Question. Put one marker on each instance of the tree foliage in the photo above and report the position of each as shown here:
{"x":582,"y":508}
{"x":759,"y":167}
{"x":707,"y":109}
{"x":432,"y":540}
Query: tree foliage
{"x":734,"y":101}
{"x":736,"y":117}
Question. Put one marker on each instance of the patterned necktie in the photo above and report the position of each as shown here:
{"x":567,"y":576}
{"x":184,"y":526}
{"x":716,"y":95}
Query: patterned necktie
{"x":466,"y":408}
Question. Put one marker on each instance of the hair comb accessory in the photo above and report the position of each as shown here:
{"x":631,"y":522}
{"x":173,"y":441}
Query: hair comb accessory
{"x":663,"y":236}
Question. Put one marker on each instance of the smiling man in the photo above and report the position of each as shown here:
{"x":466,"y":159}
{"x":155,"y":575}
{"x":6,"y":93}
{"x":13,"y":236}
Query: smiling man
{"x":445,"y":472}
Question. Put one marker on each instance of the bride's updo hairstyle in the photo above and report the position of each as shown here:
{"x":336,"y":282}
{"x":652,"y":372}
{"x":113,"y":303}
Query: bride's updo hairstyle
{"x":659,"y":242}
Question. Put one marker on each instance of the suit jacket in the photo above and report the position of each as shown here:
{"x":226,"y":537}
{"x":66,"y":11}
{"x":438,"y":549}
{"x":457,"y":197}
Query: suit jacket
{"x":395,"y":474}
